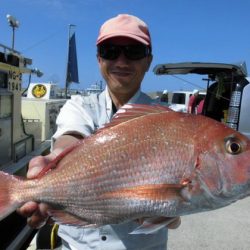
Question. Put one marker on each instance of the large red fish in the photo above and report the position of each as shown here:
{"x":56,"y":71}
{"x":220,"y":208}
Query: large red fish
{"x":148,"y":162}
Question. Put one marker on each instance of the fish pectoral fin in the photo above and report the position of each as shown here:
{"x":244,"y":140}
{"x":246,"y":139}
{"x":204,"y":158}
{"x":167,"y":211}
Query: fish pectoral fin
{"x":152,"y":225}
{"x":62,"y":217}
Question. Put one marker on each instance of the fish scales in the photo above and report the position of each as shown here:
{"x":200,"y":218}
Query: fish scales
{"x":123,"y":175}
{"x":132,"y":149}
{"x":150,"y":162}
{"x":117,"y":147}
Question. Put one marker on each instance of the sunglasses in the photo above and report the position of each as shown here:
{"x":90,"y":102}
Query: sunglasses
{"x":131,"y":52}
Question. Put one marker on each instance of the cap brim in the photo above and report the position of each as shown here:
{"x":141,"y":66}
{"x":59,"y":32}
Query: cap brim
{"x":132,"y":36}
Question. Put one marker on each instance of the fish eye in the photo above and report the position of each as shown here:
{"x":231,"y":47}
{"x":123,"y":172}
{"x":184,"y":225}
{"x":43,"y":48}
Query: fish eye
{"x":233,"y":146}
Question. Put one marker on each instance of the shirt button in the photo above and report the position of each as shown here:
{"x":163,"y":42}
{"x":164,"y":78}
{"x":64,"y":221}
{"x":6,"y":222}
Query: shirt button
{"x":104,"y":238}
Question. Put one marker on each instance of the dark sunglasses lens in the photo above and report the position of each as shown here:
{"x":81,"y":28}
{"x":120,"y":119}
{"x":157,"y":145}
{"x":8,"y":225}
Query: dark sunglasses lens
{"x":132,"y":52}
{"x":136,"y":52}
{"x":109,"y":52}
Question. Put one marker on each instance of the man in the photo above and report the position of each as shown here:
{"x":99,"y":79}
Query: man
{"x":192,"y":103}
{"x":200,"y":106}
{"x":124,"y":55}
{"x":164,"y":97}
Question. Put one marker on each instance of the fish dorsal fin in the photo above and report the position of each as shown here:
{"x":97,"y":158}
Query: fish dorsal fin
{"x":133,"y":111}
{"x":53,"y":163}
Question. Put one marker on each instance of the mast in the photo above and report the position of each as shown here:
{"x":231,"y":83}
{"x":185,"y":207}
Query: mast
{"x":72,"y":66}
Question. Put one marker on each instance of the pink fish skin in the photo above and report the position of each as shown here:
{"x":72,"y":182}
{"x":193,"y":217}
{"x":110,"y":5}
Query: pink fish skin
{"x":148,"y":162}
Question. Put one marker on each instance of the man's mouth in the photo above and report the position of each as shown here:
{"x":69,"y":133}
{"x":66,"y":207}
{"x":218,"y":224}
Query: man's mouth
{"x":121,"y":73}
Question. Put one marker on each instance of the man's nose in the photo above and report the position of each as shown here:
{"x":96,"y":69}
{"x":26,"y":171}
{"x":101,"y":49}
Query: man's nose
{"x":122,"y":58}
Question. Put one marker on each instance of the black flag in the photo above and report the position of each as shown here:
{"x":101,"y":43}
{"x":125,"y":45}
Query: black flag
{"x":72,"y":67}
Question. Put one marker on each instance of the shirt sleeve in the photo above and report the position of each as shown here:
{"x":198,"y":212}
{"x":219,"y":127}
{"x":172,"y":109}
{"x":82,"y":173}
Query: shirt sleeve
{"x":74,"y":117}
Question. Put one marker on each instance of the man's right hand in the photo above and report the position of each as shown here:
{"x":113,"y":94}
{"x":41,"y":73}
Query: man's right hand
{"x":37,"y":213}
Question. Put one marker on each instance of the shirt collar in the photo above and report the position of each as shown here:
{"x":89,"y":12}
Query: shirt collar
{"x":135,"y":97}
{"x":132,"y":100}
{"x":108,"y":100}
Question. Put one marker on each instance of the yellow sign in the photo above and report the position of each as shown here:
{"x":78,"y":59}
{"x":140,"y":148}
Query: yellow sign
{"x":39,"y":91}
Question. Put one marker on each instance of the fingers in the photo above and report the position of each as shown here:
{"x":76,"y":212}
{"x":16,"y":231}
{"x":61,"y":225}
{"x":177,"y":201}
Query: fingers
{"x":36,"y":220}
{"x":140,"y":220}
{"x":36,"y":164}
{"x":36,"y":213}
{"x":39,"y":217}
{"x":169,"y":222}
{"x":28,"y":209}
{"x":176,"y":223}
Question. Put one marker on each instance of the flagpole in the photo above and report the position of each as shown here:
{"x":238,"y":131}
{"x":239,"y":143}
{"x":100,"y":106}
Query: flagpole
{"x":66,"y":80}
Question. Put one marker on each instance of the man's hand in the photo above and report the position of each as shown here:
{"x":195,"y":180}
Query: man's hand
{"x":174,"y":224}
{"x":36,"y":213}
{"x":153,"y":224}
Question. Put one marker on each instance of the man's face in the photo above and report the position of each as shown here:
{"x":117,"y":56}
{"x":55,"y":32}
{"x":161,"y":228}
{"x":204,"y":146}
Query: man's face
{"x":122,"y":75}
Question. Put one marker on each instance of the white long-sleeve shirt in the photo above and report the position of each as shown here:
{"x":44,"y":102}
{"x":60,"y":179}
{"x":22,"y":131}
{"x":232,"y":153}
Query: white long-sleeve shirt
{"x":85,"y":115}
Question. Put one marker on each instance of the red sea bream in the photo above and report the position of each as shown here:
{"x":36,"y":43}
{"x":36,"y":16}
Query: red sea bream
{"x":148,"y":162}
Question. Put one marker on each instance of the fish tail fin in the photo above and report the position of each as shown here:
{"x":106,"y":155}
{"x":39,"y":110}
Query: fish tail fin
{"x":8,"y":204}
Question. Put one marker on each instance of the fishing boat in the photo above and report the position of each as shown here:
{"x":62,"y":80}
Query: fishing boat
{"x":17,"y":145}
{"x":94,"y":89}
{"x":27,"y":122}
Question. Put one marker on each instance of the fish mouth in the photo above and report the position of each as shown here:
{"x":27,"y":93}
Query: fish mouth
{"x":219,"y":193}
{"x":213,"y":199}
{"x":225,"y":193}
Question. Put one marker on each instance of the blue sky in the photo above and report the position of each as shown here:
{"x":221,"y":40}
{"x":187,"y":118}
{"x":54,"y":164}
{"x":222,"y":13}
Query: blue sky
{"x":181,"y":30}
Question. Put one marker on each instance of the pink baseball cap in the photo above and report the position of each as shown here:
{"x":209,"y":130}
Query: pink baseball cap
{"x":127,"y":26}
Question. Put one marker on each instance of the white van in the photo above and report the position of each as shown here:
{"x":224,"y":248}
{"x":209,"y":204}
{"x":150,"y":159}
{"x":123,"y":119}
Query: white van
{"x":228,"y":90}
{"x":180,"y":100}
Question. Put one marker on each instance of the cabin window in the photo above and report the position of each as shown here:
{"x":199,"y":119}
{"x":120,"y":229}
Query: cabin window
{"x":3,"y":80}
{"x":5,"y":106}
{"x":178,"y":98}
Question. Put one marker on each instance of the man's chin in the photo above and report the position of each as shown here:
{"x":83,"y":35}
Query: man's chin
{"x":122,"y":79}
{"x":121,"y":82}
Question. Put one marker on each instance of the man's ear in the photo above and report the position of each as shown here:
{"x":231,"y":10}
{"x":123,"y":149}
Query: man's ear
{"x":149,"y":60}
{"x":98,"y":58}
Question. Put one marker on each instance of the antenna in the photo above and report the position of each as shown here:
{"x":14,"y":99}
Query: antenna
{"x":14,"y":24}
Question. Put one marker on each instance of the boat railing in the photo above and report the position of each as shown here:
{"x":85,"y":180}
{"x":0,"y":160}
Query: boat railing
{"x":15,"y":233}
{"x":7,"y":49}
